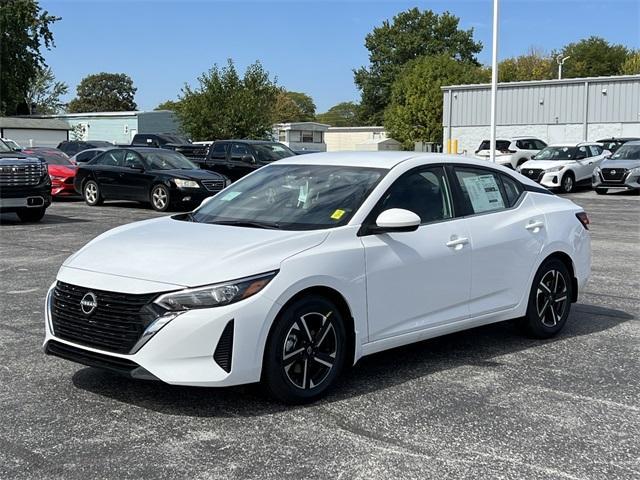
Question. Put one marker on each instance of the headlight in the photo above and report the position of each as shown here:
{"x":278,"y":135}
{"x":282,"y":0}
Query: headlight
{"x":597,"y":170}
{"x":180,"y":183}
{"x":215,"y":295}
{"x":555,"y":169}
{"x":634,"y":171}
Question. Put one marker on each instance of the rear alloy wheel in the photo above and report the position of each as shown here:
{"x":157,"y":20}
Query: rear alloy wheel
{"x":601,"y":191}
{"x":549,"y":300}
{"x":160,"y":199}
{"x":305,"y":351}
{"x":92,"y":195}
{"x":568,"y":183}
{"x":31,"y":214}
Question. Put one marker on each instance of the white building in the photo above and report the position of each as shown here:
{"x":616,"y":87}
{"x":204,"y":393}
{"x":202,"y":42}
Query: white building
{"x":573,"y":109}
{"x":359,"y":138}
{"x":302,"y":136}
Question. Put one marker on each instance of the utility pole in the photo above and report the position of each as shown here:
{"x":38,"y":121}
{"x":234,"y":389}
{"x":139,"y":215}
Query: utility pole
{"x":494,"y":81}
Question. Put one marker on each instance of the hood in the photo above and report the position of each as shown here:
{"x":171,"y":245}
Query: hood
{"x":194,"y":174}
{"x":62,"y":170}
{"x":14,"y":155}
{"x":620,"y":164}
{"x":190,"y":254}
{"x":545,"y":164}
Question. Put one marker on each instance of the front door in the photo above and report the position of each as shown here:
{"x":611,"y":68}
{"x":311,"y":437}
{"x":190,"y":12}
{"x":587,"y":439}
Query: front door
{"x":108,"y":172}
{"x":418,"y":279}
{"x":135,"y":183}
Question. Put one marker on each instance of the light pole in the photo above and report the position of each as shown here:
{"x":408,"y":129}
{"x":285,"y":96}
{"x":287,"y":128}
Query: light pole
{"x":560,"y":62}
{"x":494,"y":81}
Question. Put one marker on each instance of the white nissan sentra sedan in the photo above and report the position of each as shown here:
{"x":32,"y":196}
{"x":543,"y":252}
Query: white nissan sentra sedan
{"x":306,"y":265}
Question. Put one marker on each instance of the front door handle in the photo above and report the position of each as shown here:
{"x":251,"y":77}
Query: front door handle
{"x":534,"y":226}
{"x":457,"y":242}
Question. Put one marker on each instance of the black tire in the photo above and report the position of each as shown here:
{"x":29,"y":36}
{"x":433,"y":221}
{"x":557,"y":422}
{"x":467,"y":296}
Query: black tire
{"x":160,"y":198}
{"x":601,"y":191}
{"x":92,"y":194}
{"x":302,"y":363}
{"x":541,"y":321}
{"x":568,"y":183}
{"x":31,"y":214}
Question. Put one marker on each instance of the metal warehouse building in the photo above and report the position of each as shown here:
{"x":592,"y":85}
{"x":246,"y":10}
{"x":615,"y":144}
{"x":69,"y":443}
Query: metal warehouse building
{"x":120,"y":127}
{"x":575,"y":109}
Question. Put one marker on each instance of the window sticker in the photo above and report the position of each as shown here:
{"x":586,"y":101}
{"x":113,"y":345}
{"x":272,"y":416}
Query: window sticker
{"x":337,"y":215}
{"x":230,"y":196}
{"x":484,"y":193}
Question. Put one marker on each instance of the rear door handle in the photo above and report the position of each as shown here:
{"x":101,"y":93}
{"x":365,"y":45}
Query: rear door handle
{"x":457,"y":242}
{"x":534,"y":226}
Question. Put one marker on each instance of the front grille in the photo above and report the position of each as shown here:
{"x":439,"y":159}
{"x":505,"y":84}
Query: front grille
{"x":91,"y":359}
{"x":613,"y":174}
{"x":21,"y":174}
{"x":224,"y":349}
{"x":532,"y":173}
{"x":116,"y":324}
{"x":213,"y":185}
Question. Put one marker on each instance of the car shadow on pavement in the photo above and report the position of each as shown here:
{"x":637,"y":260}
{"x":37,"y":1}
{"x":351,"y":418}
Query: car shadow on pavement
{"x":477,"y":347}
{"x":48,"y":219}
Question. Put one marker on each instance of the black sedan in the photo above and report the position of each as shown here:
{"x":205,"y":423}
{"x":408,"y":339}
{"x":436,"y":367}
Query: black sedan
{"x":163,"y":178}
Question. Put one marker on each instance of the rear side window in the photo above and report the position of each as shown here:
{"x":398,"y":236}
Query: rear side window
{"x":502,"y":145}
{"x":111,"y":158}
{"x":512,"y":190}
{"x":481,"y":190}
{"x":218,"y":151}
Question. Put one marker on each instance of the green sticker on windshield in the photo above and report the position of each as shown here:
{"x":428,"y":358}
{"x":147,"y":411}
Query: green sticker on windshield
{"x":230,"y":196}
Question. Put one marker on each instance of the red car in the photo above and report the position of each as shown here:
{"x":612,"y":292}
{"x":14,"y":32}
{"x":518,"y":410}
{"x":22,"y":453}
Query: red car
{"x":61,"y":170}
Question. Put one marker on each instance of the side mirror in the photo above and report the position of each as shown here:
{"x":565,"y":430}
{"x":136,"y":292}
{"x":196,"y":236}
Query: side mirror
{"x":396,"y":220}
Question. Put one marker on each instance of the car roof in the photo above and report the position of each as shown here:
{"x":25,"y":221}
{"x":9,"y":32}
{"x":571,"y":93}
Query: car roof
{"x":253,"y":142}
{"x":572,"y":144}
{"x":633,"y":142}
{"x":619,"y":139}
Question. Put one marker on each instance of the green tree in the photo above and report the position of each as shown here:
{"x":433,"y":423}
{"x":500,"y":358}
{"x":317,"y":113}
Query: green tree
{"x":534,"y":65}
{"x":168,"y":105}
{"x":104,"y":92}
{"x":593,"y":57}
{"x":411,"y":34}
{"x":24,"y":31}
{"x":415,"y":110}
{"x":631,"y":65}
{"x":44,"y":92}
{"x":305,"y":103}
{"x":293,"y":107}
{"x":344,"y":114}
{"x":225,"y":105}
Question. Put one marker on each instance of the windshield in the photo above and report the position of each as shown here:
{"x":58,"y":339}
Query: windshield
{"x":292,"y":197}
{"x":50,"y":156}
{"x":627,"y":152}
{"x":556,"y":153}
{"x":168,"y":160}
{"x":4,"y":147}
{"x":270,"y":152}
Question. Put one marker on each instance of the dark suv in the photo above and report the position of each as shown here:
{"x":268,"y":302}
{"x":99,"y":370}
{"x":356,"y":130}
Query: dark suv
{"x":169,"y":141}
{"x":71,"y":147}
{"x":25,"y":185}
{"x":237,"y":158}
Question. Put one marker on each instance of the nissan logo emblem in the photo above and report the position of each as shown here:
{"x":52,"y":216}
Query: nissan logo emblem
{"x":613,"y":172}
{"x":88,"y":303}
{"x":530,"y":172}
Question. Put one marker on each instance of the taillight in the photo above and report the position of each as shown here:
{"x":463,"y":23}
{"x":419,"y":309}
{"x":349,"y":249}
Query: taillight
{"x":584,"y":219}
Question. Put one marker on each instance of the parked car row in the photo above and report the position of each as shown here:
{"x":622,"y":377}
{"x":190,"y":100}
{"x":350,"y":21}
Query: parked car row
{"x":565,"y":166}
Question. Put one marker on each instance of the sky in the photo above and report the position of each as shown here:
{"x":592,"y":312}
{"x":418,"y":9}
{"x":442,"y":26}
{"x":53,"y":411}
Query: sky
{"x":309,"y":46}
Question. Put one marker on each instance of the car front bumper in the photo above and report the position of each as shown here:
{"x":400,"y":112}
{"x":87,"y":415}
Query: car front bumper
{"x":17,"y":198}
{"x":182,"y":351}
{"x":63,"y":188}
{"x":629,"y":182}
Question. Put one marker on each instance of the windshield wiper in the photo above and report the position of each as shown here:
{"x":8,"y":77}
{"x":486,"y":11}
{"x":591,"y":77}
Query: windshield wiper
{"x":247,"y":223}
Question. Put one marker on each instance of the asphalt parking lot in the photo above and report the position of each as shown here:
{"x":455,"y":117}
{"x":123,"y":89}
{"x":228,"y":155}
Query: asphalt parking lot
{"x":486,"y":403}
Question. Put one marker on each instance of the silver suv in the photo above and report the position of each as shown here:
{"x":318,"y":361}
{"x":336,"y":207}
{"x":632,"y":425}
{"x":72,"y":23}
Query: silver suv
{"x":621,"y":171}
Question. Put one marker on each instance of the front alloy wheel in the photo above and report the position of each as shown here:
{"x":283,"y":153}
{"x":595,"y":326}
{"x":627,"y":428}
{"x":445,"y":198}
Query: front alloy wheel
{"x":305,"y":351}
{"x":160,"y":198}
{"x":549,"y":300}
{"x":568,"y":183}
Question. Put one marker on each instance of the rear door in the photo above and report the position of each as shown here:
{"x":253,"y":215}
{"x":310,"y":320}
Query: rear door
{"x":507,"y":233}
{"x":107,"y":172}
{"x":238,"y":161}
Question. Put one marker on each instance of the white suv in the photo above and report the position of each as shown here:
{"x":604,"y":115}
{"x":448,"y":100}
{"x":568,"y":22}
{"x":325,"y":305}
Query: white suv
{"x":511,"y":153}
{"x":563,"y":166}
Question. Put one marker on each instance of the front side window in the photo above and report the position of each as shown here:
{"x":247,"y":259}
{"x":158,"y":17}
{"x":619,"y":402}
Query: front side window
{"x":270,"y":152}
{"x":132,"y":160}
{"x":292,"y":197}
{"x":219,"y":151}
{"x":239,"y":150}
{"x":481,"y":190}
{"x":424,"y":192}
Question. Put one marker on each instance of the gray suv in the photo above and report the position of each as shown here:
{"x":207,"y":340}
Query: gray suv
{"x":621,"y":171}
